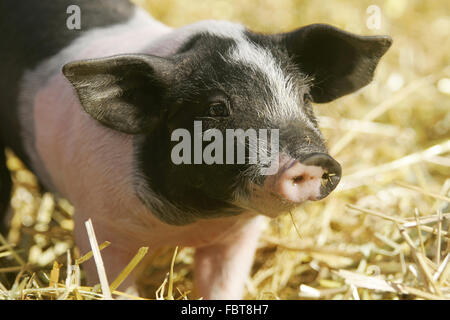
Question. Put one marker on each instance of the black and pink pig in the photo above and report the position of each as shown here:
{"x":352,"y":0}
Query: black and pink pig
{"x":99,"y":113}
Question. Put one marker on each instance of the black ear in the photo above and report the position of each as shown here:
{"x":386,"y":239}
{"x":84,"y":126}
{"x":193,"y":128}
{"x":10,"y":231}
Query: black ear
{"x":340,"y":62}
{"x":122,"y":92}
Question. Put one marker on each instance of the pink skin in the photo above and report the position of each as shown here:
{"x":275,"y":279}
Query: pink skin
{"x":295,"y":182}
{"x":91,"y":166}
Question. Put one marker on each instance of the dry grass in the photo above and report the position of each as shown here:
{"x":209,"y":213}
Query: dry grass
{"x":384,"y":234}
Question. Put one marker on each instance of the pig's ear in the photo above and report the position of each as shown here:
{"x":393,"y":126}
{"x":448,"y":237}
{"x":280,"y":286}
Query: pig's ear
{"x":340,"y":62}
{"x":122,"y":92}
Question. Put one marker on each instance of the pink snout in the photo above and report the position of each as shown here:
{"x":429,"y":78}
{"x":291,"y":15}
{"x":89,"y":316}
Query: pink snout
{"x":311,"y":179}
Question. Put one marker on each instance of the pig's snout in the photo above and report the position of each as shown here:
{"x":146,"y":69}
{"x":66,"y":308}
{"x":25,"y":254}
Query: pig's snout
{"x":312,"y":178}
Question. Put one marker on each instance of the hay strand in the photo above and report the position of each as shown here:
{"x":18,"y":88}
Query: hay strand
{"x":98,"y":261}
{"x":129,"y":268}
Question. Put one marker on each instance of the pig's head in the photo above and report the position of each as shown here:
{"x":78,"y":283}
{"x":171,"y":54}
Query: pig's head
{"x":228,"y":78}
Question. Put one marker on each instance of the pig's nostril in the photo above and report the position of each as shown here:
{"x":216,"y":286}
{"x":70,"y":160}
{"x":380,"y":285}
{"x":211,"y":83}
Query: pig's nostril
{"x":327,"y":179}
{"x":298,"y":179}
{"x":328,"y":175}
{"x":332,"y":171}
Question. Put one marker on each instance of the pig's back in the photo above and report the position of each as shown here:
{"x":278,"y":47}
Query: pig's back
{"x":32,"y":31}
{"x":36,"y":43}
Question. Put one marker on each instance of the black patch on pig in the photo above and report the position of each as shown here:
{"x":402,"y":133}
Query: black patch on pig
{"x":340,"y":62}
{"x":201,"y":190}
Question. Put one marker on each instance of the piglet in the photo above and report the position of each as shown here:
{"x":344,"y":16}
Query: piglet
{"x":172,"y":137}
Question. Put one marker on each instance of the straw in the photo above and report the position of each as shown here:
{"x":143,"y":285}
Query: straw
{"x":98,"y":261}
{"x":129,"y":268}
{"x":89,"y":255}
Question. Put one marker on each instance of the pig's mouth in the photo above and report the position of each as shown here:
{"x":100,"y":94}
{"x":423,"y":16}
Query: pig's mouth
{"x":267,"y":203}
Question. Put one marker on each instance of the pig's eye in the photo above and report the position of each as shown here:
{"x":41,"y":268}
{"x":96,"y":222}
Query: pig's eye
{"x":217,"y":109}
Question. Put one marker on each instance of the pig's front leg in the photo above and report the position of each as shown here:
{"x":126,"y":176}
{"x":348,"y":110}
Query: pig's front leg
{"x":221,"y":269}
